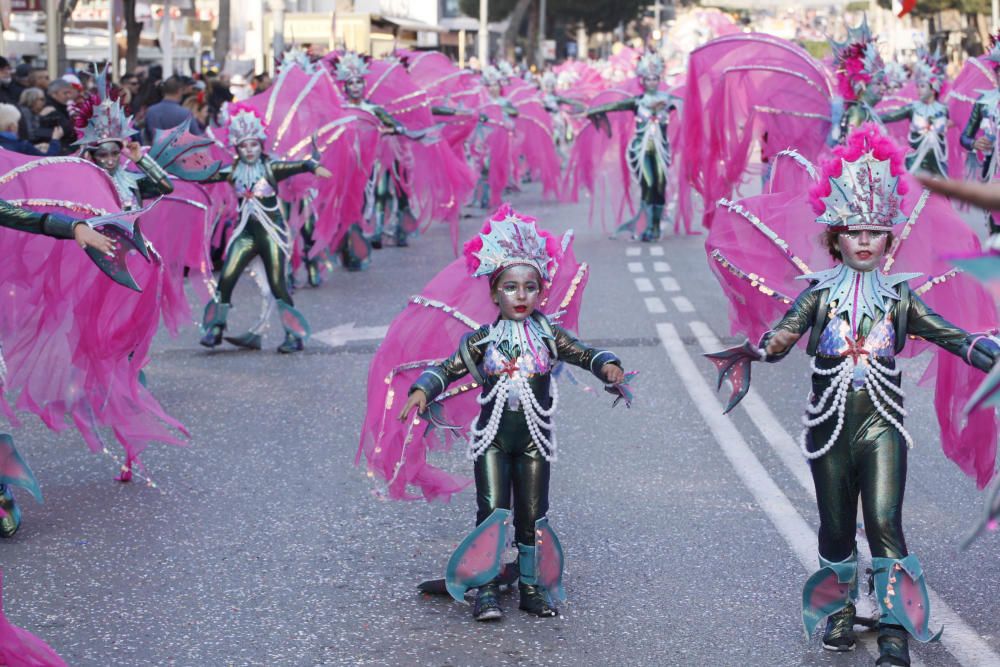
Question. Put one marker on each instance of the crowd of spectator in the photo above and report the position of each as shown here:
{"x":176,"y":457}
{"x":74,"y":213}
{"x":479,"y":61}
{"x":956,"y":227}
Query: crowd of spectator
{"x":36,"y":112}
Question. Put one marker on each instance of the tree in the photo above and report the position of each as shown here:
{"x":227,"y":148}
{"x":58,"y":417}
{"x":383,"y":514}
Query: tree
{"x":597,"y":15}
{"x":133,"y":30}
{"x":222,"y":34}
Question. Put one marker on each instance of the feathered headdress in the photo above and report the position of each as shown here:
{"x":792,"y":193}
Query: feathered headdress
{"x":857,"y":62}
{"x":350,"y":65}
{"x":511,"y":239}
{"x":650,"y":64}
{"x":930,"y":69}
{"x":492,"y":76}
{"x":100,"y":117}
{"x":860,"y":188}
{"x":244,"y":124}
{"x":549,"y":80}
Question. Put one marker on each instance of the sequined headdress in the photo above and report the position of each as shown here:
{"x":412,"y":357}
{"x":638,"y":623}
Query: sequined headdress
{"x":491,"y":76}
{"x":856,"y":61}
{"x":511,"y":239}
{"x":100,"y":117}
{"x":930,"y":68}
{"x":244,"y":124}
{"x":506,"y":70}
{"x":297,"y":57}
{"x":860,"y":188}
{"x":549,"y":80}
{"x":350,"y":65}
{"x":650,"y":64}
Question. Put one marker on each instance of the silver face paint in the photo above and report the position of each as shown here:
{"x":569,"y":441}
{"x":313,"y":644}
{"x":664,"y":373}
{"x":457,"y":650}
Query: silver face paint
{"x":355,"y":89}
{"x":249,"y":151}
{"x":107,"y":156}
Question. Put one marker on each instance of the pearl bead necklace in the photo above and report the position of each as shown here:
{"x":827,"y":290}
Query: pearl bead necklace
{"x":877,"y":378}
{"x":538,"y":418}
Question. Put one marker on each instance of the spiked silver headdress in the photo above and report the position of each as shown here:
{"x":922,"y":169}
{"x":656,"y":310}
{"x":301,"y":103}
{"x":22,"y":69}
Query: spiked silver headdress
{"x":492,"y":76}
{"x":509,"y":239}
{"x":297,"y":57}
{"x":650,"y":64}
{"x":100,"y":117}
{"x":864,"y":196}
{"x":244,"y":124}
{"x":351,"y":66}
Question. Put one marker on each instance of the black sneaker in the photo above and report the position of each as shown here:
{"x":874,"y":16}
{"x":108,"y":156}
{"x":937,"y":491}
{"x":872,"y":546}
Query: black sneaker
{"x":839,"y":635}
{"x":534,"y":602}
{"x":487,"y":606}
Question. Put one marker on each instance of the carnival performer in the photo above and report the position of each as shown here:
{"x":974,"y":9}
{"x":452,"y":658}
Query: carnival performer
{"x":104,"y":132}
{"x":861,"y":318}
{"x":557,"y":105}
{"x":860,"y":73}
{"x":928,"y":120}
{"x":386,"y":192}
{"x":648,"y":152}
{"x":14,"y":471}
{"x":985,"y":116}
{"x":488,"y":161}
{"x":261,"y":231}
{"x":512,"y":442}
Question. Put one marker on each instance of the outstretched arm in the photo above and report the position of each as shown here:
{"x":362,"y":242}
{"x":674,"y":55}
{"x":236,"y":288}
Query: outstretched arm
{"x":778,"y":342}
{"x":54,"y":225}
{"x":978,"y":351}
{"x":433,"y":381}
{"x":983,"y":195}
{"x":604,"y":364}
{"x":905,"y":111}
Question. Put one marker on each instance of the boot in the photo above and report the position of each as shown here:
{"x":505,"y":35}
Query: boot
{"x":249,"y":341}
{"x":312,"y":272}
{"x":487,"y":606}
{"x":839,"y":635}
{"x":296,"y":328}
{"x":292,"y":343}
{"x":379,"y":226}
{"x":11,"y":519}
{"x":533,"y":597}
{"x":893,"y":646}
{"x":214,"y":323}
{"x":652,"y":231}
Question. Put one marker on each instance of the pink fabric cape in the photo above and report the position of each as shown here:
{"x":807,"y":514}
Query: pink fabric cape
{"x":448,"y":86}
{"x":296,"y":108}
{"x":67,"y":330}
{"x":976,"y":76}
{"x":756,"y":262}
{"x":754,"y":85}
{"x":426,"y":332}
{"x":20,"y":648}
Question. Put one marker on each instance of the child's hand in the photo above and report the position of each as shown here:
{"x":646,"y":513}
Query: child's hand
{"x":780,"y":341}
{"x":613,"y":374}
{"x":418,"y":399}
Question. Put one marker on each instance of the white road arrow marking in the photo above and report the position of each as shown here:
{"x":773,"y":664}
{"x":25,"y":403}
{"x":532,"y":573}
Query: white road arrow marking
{"x":345,"y":333}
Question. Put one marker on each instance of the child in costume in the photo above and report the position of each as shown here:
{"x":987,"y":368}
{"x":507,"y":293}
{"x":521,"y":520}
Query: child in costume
{"x":860,"y":318}
{"x":648,"y":152}
{"x":511,"y":438}
{"x":928,"y":118}
{"x":261,"y":230}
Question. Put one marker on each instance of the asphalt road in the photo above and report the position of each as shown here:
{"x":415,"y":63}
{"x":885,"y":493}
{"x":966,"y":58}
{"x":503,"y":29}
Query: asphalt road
{"x":687,"y":535}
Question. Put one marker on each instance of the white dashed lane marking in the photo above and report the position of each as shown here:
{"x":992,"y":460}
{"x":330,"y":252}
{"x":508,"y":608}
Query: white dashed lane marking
{"x":636,"y":267}
{"x":633,"y":251}
{"x":655,"y":305}
{"x":682,"y":304}
{"x":661,"y":267}
{"x":669,"y":284}
{"x":643,"y":284}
